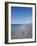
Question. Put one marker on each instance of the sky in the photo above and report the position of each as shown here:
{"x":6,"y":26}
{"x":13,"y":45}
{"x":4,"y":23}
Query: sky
{"x":21,"y":15}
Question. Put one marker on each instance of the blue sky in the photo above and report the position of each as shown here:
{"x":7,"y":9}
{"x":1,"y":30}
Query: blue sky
{"x":21,"y":15}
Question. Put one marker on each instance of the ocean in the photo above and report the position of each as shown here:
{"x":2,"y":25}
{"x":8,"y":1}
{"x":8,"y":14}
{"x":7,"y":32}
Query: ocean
{"x":21,"y":31}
